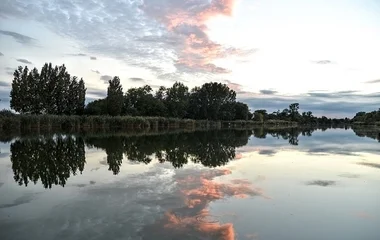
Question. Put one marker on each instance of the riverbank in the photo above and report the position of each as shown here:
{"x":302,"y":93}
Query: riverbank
{"x":42,"y":124}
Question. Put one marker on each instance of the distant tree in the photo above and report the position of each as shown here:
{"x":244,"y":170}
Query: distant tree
{"x":293,"y":111}
{"x":115,"y":97}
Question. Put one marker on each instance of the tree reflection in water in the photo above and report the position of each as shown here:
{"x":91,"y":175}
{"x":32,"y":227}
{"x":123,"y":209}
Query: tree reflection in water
{"x":52,"y":160}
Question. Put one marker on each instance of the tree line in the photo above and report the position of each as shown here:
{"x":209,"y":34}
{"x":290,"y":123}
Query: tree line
{"x":294,"y":115}
{"x":367,"y":117}
{"x":211,"y":101}
{"x":54,"y":91}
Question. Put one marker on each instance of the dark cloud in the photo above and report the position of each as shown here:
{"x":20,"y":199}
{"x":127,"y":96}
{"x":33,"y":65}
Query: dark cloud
{"x":23,"y":39}
{"x":4,"y":94}
{"x":1,"y":54}
{"x":331,"y":150}
{"x":4,"y":84}
{"x":96,"y":93}
{"x":268,"y":92}
{"x":373,"y":165}
{"x":137,"y":79}
{"x":374,"y":81}
{"x":95,"y":71}
{"x":322,"y":183}
{"x":93,"y":58}
{"x":105,"y":78}
{"x":268,"y":152}
{"x":18,"y":201}
{"x":334,"y":95}
{"x":80,"y":185}
{"x":24,"y":61}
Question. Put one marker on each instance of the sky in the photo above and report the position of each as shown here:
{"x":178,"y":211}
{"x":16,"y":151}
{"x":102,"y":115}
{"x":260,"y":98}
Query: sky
{"x":322,"y":54}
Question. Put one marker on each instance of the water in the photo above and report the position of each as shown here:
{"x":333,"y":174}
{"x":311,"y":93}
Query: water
{"x":287,"y":184}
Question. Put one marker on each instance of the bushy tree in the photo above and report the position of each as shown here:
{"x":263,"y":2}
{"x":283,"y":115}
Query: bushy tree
{"x":177,"y":100}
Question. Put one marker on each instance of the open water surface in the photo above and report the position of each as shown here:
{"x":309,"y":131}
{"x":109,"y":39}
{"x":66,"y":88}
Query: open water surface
{"x":261,"y":184}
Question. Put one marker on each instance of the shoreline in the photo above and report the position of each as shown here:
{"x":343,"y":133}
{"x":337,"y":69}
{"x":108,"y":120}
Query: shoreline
{"x":19,"y":124}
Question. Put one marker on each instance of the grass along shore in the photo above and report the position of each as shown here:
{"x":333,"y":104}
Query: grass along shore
{"x":20,"y":124}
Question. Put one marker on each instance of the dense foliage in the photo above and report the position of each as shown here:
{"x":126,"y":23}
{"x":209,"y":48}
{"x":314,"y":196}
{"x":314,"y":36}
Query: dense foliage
{"x":51,"y":91}
{"x":367,"y":117}
{"x":211,"y":101}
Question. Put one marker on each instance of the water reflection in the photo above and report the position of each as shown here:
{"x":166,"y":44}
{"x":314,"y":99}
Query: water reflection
{"x":52,"y":160}
{"x":202,"y":185}
{"x":192,"y":219}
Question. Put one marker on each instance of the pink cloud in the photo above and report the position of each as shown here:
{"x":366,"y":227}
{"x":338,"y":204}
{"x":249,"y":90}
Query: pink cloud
{"x":188,"y":19}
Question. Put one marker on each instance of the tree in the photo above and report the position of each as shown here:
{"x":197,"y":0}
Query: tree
{"x":241,"y":111}
{"x":141,"y":102}
{"x":206,"y":102}
{"x":19,"y":90}
{"x":114,"y":97}
{"x":177,"y":99}
{"x":81,"y":97}
{"x":293,"y":111}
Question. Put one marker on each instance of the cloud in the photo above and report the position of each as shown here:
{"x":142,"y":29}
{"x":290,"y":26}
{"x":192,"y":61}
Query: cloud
{"x":95,"y":71}
{"x":323,"y":62}
{"x":268,"y":152}
{"x":105,"y":78}
{"x":97,"y":93}
{"x":78,"y":54}
{"x":165,"y":37}
{"x":373,"y":165}
{"x":18,"y":201}
{"x":93,"y":58}
{"x":268,"y":92}
{"x":23,"y":39}
{"x":187,"y":20}
{"x":4,"y":84}
{"x":1,"y":54}
{"x":322,"y":183}
{"x":349,"y":175}
{"x":374,"y":81}
{"x":198,"y":190}
{"x":331,"y":104}
{"x":137,"y":79}
{"x":24,"y":61}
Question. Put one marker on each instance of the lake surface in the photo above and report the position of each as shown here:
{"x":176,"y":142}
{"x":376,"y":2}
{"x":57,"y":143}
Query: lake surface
{"x":260,"y":184}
